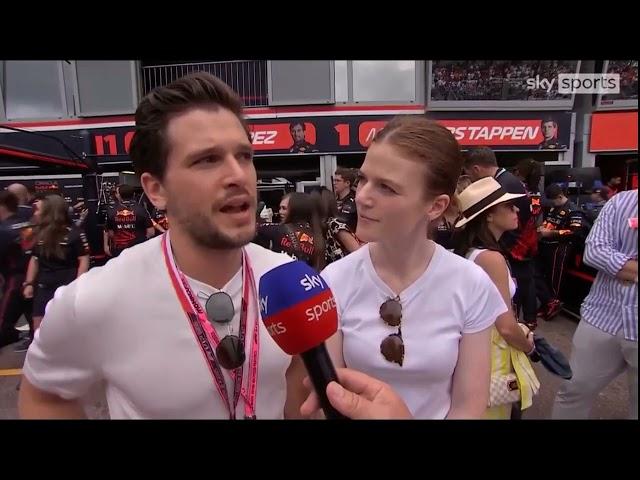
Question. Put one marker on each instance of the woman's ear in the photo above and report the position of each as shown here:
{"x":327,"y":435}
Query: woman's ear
{"x":437,"y":206}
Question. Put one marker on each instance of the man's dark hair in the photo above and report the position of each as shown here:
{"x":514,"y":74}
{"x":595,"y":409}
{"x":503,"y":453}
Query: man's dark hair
{"x":347,"y":174}
{"x":549,"y":120}
{"x":553,"y":191}
{"x":482,"y":156}
{"x":293,"y":125}
{"x":531,"y":172}
{"x":126,"y":192}
{"x":9,"y":201}
{"x":604,"y":192}
{"x":149,"y":147}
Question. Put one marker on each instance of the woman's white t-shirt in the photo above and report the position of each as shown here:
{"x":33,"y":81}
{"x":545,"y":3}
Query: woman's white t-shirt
{"x":452,"y":297}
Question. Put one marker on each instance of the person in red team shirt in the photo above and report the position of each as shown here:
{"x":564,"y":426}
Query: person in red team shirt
{"x":128,"y":223}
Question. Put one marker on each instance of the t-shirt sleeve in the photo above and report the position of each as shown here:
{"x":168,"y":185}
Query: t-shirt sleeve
{"x":331,"y":276}
{"x":336,"y":226}
{"x":61,"y":360}
{"x":484,"y":303}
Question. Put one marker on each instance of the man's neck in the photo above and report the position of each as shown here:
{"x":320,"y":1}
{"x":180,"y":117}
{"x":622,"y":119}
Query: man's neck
{"x":344,"y":194}
{"x":492,"y":171}
{"x":212,"y":267}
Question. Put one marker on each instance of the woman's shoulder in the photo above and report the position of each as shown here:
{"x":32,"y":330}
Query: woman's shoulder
{"x":346,"y":265}
{"x":457,"y":265}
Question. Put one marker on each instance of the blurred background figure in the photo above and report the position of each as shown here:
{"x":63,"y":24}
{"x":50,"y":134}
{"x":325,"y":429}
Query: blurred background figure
{"x":344,"y":180}
{"x":442,"y":229}
{"x":564,"y":227}
{"x":283,"y":208}
{"x":299,"y":234}
{"x":615,"y":185}
{"x":60,"y":255}
{"x":339,"y":239}
{"x":13,"y":265}
{"x":599,"y":198}
{"x":25,"y":200}
{"x":128,"y":223}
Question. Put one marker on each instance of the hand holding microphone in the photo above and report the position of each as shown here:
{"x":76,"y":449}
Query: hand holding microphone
{"x":360,"y":397}
{"x":299,"y":311}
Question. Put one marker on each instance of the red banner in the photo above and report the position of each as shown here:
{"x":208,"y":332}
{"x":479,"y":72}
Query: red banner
{"x":476,"y":132}
{"x":614,"y":132}
{"x":277,"y":136}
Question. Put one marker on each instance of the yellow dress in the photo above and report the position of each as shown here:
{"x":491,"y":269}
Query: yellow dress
{"x":505,"y":360}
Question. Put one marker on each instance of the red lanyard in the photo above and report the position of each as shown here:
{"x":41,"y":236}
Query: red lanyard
{"x":206,"y":335}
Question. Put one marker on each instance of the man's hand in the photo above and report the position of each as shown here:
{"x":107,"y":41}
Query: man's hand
{"x":545,"y":232}
{"x":360,"y":397}
{"x":629,"y":272}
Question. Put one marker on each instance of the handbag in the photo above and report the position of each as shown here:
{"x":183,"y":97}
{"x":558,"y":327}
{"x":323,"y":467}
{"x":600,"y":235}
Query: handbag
{"x":503,"y":389}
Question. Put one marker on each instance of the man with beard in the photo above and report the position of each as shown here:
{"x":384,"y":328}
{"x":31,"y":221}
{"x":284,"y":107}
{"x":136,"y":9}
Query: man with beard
{"x":172,"y":325}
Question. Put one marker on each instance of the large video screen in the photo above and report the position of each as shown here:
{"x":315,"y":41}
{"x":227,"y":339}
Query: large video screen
{"x":498,"y":84}
{"x":628,"y":96}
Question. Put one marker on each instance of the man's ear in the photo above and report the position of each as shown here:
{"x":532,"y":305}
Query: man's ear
{"x":154,"y":190}
{"x":436,"y":208}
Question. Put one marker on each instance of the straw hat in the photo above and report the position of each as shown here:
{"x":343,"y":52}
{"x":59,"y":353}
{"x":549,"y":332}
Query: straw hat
{"x":480,"y":196}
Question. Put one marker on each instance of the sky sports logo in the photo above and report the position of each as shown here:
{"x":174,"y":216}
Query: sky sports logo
{"x":578,"y":83}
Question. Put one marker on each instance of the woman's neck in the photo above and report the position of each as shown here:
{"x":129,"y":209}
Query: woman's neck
{"x":210,"y":266}
{"x":400,"y":264}
{"x":496,"y":232}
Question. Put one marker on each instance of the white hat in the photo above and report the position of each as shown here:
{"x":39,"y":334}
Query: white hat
{"x":480,"y":196}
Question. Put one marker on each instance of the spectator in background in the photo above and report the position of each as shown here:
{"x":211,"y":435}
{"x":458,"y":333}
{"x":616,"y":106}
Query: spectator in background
{"x":615,"y":185}
{"x":442,"y":229}
{"x":25,"y":200}
{"x":283,"y":208}
{"x":484,"y":220}
{"x":343,"y":185}
{"x":160,"y":221}
{"x":128,"y":223}
{"x":605,"y":344}
{"x":300,"y":235}
{"x":60,"y":255}
{"x":13,"y":266}
{"x":563,"y":229}
{"x":479,"y":163}
{"x":529,"y":172}
{"x":339,"y":240}
{"x":599,"y":198}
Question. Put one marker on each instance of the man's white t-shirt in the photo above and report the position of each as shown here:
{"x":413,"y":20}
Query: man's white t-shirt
{"x":122,"y":324}
{"x":451,"y":298}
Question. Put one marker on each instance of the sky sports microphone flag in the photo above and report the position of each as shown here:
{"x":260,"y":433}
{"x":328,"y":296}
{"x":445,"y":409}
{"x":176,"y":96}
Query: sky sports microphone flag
{"x":300,"y":313}
{"x":297,"y":307}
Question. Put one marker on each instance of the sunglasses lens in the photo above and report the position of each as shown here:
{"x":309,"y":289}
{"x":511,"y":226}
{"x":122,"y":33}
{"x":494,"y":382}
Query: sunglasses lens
{"x":219,"y":308}
{"x":392,"y":348}
{"x":230,"y":352}
{"x":391,"y":312}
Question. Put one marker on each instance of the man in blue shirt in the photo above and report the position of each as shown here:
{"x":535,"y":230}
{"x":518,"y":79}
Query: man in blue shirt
{"x":605,"y":343}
